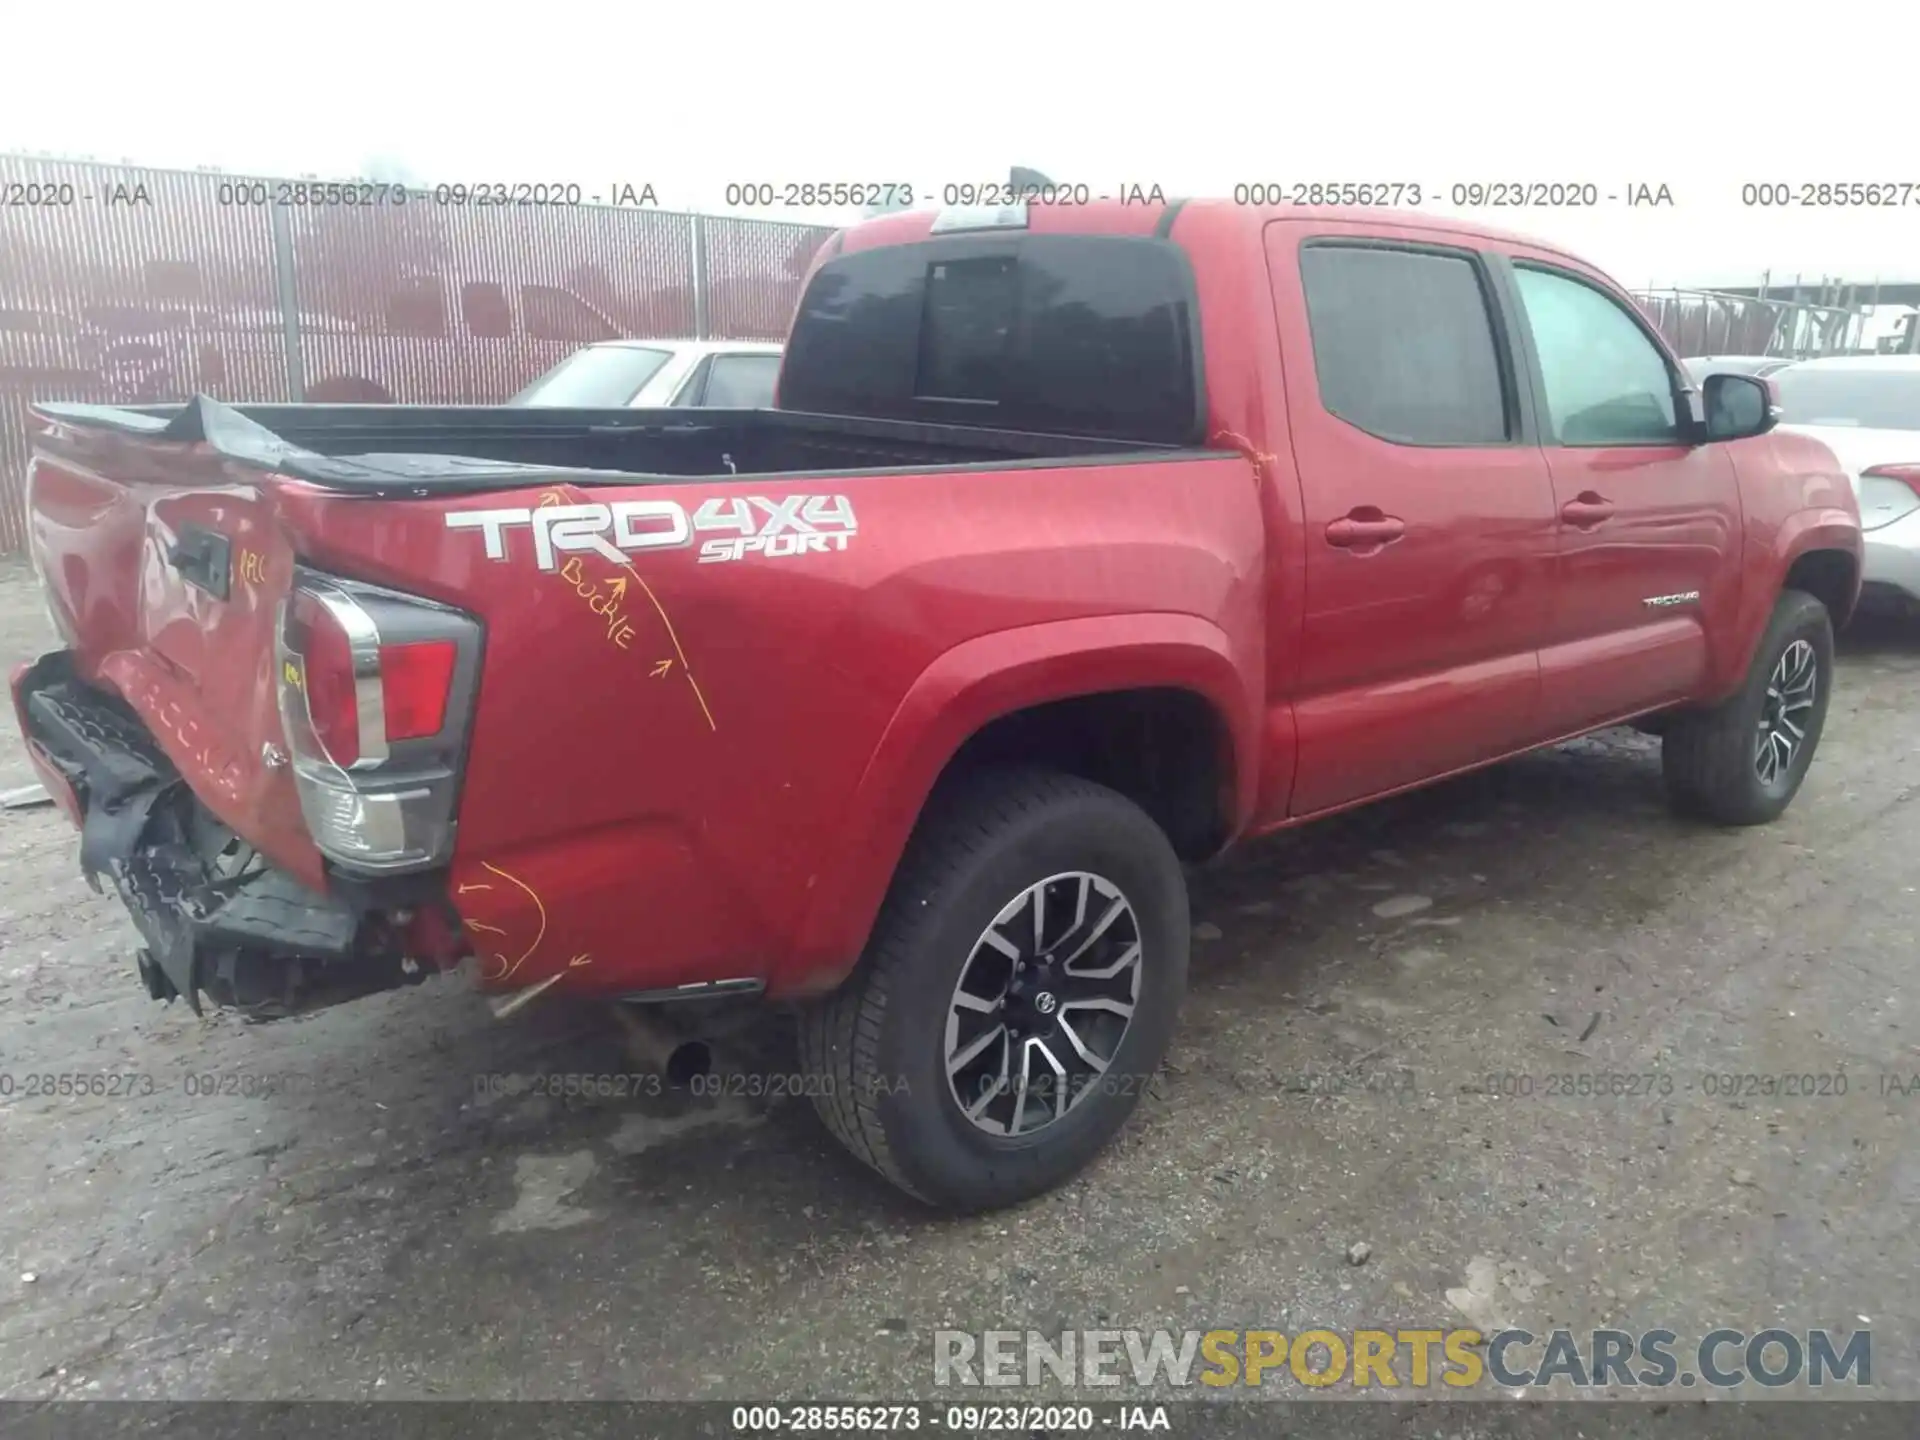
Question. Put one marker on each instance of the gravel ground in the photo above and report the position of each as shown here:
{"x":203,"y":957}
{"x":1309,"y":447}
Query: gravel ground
{"x":377,"y":1228}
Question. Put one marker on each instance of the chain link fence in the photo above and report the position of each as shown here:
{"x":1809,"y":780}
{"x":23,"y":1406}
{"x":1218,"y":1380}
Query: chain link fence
{"x":1709,"y":322}
{"x":131,"y":285}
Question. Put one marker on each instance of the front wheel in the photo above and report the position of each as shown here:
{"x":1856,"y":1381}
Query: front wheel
{"x":1742,"y":762}
{"x":1017,"y":996}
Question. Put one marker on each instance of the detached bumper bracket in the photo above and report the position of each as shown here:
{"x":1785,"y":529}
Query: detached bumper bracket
{"x":108,"y":757}
{"x":233,"y":934}
{"x":273,"y":911}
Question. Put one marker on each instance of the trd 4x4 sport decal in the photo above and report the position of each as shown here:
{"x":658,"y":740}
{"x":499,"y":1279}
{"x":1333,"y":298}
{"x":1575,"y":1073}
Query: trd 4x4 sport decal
{"x":749,"y":525}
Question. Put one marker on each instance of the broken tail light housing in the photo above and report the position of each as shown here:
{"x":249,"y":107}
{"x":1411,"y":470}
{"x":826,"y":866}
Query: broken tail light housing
{"x":376,"y":692}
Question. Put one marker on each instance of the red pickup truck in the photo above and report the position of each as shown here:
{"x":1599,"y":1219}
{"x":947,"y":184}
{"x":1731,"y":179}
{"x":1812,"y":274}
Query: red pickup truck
{"x":1083,"y":542}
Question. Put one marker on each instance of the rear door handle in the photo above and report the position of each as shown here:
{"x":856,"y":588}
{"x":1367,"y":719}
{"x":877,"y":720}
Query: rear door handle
{"x":1586,"y":509}
{"x":1364,"y":528}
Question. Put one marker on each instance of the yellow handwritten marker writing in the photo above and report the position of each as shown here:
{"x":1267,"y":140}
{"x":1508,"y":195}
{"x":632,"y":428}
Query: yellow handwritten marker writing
{"x":604,"y":603}
{"x":619,"y":629}
{"x":505,"y":972}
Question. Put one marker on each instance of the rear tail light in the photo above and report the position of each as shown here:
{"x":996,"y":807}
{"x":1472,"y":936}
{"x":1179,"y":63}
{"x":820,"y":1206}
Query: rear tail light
{"x":414,"y":681}
{"x":1907,"y":475}
{"x":328,"y":675}
{"x":375,"y":688}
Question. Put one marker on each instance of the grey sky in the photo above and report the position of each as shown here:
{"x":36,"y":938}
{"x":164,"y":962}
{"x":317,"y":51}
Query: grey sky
{"x":1195,"y":98}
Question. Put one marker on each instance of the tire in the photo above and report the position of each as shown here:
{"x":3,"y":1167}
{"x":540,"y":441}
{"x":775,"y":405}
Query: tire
{"x":877,"y":1049}
{"x":1713,"y":758}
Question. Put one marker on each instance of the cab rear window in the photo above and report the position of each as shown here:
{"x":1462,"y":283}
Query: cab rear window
{"x":1063,"y":334}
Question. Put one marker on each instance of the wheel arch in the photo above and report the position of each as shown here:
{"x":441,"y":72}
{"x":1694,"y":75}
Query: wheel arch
{"x":1818,"y":551}
{"x":978,"y":700}
{"x":1831,"y":576}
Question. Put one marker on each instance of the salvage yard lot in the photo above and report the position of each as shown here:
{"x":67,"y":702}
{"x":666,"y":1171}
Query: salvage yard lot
{"x":339,"y":1206}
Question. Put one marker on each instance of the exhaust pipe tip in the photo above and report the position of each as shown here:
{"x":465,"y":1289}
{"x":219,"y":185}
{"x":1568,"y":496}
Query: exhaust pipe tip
{"x":673,"y":1054}
{"x":690,"y":1061}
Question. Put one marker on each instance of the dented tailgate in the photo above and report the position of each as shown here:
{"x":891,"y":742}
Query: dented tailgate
{"x":163,"y":565}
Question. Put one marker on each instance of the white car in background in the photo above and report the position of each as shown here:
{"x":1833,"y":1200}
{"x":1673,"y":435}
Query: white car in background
{"x":653,"y":374}
{"x":1701,"y":366}
{"x":1866,"y":409}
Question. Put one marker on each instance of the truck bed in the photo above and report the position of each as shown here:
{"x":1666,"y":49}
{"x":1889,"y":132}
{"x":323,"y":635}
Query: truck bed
{"x":414,"y":450}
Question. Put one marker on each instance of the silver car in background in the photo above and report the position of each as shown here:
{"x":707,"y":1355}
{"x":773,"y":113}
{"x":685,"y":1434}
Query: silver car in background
{"x":1866,"y":409}
{"x":650,"y":374}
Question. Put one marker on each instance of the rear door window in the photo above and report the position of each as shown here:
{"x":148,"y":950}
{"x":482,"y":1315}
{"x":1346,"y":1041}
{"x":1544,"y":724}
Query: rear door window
{"x":1403,"y":344}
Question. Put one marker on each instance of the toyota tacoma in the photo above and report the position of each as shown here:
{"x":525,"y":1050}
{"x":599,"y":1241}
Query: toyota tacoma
{"x":1080,"y":544}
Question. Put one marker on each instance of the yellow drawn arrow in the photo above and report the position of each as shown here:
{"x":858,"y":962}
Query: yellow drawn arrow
{"x":507,"y":968}
{"x":465,"y":888}
{"x":618,"y":585}
{"x":661,"y":667}
{"x":556,"y":497}
{"x":679,"y":650}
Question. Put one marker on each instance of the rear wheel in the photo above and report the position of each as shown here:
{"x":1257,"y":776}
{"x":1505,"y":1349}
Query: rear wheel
{"x":1017,"y":995}
{"x":1742,"y":762}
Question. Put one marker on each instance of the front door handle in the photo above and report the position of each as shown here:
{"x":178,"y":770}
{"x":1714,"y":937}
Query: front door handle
{"x":1586,"y":509}
{"x":1365,"y":528}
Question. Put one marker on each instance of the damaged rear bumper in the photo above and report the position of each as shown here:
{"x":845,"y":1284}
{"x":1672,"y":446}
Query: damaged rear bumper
{"x":216,"y":918}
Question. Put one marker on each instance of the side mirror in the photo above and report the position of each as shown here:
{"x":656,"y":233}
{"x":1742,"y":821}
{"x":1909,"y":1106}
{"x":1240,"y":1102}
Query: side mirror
{"x":1738,"y":406}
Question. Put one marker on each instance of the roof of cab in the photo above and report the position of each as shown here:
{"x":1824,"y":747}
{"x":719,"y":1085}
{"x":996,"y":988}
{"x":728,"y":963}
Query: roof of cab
{"x":1116,"y":217}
